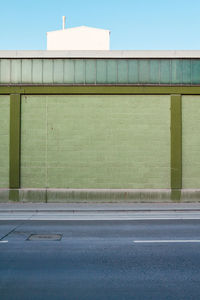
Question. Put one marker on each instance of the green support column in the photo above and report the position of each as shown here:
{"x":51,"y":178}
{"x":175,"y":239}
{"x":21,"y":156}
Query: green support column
{"x":176,"y":147}
{"x":15,"y":124}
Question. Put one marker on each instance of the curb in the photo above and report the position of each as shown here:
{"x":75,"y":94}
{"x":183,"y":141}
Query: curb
{"x":96,"y":210}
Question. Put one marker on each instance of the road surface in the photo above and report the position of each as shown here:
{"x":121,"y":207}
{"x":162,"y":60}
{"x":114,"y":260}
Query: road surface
{"x":116,"y":259}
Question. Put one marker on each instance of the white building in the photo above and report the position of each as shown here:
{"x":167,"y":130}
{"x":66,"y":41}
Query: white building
{"x":78,"y":38}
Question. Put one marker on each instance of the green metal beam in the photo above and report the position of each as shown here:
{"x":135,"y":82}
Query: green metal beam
{"x":117,"y":89}
{"x":176,"y":146}
{"x":15,"y":120}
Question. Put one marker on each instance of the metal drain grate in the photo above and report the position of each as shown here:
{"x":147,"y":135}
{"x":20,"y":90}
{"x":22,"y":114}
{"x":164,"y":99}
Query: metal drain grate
{"x":45,"y":237}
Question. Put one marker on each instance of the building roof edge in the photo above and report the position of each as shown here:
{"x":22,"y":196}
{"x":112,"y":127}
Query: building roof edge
{"x":100,"y":54}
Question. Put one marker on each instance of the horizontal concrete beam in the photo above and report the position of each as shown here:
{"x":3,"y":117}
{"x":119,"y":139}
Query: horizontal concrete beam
{"x":101,"y":54}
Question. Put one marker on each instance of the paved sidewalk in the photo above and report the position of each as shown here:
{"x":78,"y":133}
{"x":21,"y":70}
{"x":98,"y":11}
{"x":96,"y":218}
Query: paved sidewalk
{"x":72,"y":212}
{"x":78,"y":207}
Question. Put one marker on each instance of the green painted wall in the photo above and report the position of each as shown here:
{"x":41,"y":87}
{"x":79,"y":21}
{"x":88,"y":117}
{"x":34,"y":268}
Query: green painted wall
{"x":100,"y":71}
{"x":191,"y":141}
{"x":33,"y":141}
{"x":4,"y":138}
{"x":95,"y":141}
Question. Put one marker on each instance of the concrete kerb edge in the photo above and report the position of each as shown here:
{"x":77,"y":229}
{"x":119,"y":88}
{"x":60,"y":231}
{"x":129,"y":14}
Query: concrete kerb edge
{"x":99,"y":195}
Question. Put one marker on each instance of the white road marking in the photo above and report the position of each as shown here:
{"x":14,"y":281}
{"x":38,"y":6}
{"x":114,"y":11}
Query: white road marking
{"x":168,"y":241}
{"x":3,"y":241}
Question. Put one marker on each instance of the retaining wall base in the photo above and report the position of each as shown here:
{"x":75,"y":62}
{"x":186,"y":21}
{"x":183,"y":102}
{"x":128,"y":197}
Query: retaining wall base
{"x":99,"y":195}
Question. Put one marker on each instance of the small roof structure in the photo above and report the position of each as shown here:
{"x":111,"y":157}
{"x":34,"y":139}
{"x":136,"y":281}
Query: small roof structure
{"x":79,"y":38}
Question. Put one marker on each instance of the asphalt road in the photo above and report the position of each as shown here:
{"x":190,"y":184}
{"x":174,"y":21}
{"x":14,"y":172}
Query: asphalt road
{"x":150,"y":259}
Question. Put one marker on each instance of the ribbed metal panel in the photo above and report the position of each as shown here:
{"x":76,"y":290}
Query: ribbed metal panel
{"x":100,"y":71}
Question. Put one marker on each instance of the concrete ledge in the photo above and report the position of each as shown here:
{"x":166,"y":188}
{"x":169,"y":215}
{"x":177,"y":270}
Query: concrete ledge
{"x":4,"y":195}
{"x":33,"y":195}
{"x":97,"y":195}
{"x":190,"y":195}
{"x":107,"y":195}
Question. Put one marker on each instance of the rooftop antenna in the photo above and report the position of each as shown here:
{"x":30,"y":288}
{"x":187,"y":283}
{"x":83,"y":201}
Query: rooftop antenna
{"x":63,"y":23}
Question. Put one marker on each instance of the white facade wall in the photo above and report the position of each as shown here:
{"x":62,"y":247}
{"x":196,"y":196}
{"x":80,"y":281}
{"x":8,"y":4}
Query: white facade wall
{"x":79,"y":38}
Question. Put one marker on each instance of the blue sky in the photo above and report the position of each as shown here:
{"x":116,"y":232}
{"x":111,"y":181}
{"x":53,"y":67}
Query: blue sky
{"x":147,"y":24}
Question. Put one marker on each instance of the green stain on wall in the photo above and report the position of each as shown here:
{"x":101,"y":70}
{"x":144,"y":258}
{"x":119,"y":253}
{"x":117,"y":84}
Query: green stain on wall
{"x":191,"y":141}
{"x":4,"y":138}
{"x":95,"y":141}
